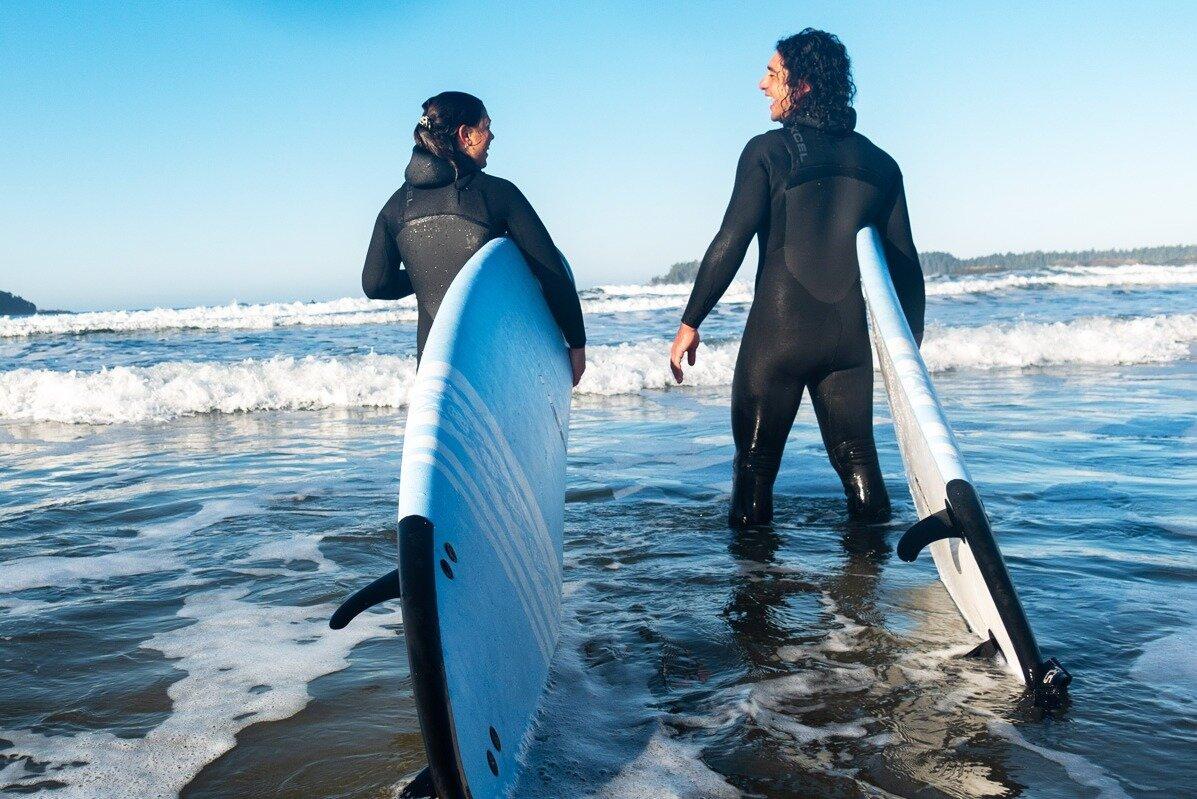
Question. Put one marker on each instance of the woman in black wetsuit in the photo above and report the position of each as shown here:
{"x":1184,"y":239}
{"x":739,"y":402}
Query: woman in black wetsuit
{"x":804,"y":191}
{"x":447,"y":209}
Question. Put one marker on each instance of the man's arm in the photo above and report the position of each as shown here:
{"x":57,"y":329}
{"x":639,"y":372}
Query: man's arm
{"x":746,"y":213}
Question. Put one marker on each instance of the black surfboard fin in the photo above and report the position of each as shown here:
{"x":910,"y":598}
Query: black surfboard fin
{"x":420,"y":788}
{"x":984,"y":650}
{"x":384,"y":588}
{"x":935,"y":527}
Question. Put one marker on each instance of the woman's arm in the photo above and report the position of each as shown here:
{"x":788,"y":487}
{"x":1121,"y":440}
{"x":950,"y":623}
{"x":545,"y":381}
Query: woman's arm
{"x":746,"y":213}
{"x":531,"y":236}
{"x":903,"y":260}
{"x":383,"y":277}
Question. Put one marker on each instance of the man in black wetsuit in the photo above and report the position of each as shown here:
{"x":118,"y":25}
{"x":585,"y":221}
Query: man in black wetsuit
{"x":804,"y":191}
{"x":447,"y":209}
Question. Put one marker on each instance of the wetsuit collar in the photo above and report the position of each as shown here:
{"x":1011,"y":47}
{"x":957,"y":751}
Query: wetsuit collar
{"x":848,"y":126}
{"x":428,"y":171}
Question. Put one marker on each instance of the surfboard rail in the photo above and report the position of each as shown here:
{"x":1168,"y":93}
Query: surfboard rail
{"x":952,"y":522}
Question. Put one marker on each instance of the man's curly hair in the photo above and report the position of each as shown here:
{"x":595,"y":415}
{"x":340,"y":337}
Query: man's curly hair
{"x":818,"y":59}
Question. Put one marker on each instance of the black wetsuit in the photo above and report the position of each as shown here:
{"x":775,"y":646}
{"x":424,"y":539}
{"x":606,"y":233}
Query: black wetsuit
{"x":804,"y":192}
{"x":439,"y":218}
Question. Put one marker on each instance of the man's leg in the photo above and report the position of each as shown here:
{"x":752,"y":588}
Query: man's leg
{"x":843,"y":402}
{"x":764,"y":402}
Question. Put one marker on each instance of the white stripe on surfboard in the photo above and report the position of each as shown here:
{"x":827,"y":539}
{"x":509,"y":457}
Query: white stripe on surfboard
{"x":447,"y":401}
{"x":481,"y":412}
{"x":542,"y":629}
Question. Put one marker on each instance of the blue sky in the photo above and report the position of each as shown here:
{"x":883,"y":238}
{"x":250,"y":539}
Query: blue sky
{"x":180,"y":154}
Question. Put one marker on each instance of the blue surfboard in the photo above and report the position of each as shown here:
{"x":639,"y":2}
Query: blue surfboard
{"x":481,"y":506}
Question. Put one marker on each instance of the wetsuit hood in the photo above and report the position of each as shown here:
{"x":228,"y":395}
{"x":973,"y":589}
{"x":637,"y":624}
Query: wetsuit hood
{"x":428,"y":171}
{"x":847,"y":126}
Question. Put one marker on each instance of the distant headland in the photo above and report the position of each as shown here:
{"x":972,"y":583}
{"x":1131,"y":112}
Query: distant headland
{"x":12,"y":305}
{"x":944,"y":263}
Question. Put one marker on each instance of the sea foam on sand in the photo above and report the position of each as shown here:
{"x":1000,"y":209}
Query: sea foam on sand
{"x":245,"y":663}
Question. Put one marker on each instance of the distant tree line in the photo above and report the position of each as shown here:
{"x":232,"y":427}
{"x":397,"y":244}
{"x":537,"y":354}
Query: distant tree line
{"x":12,"y":305}
{"x":944,"y":263}
{"x":681,"y":272}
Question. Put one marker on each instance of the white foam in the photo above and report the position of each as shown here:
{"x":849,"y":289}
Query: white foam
{"x":19,"y":607}
{"x":141,"y":555}
{"x":1081,"y":770}
{"x":299,"y":547}
{"x":1168,"y":662}
{"x":648,"y":289}
{"x":245,"y":663}
{"x":209,"y":514}
{"x":62,"y":571}
{"x":625,"y":299}
{"x":1095,"y":341}
{"x":234,"y":316}
{"x":348,"y":311}
{"x":179,"y":388}
{"x":609,"y":299}
{"x":1130,"y":276}
{"x":667,"y":769}
{"x":655,"y":302}
{"x":632,"y":368}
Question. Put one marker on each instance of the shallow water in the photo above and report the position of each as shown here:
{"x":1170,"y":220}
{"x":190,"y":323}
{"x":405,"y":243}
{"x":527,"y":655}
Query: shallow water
{"x":165,"y":585}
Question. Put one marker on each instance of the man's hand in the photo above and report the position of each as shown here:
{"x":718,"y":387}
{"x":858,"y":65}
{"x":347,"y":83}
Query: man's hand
{"x":577,"y":362}
{"x":686,"y":341}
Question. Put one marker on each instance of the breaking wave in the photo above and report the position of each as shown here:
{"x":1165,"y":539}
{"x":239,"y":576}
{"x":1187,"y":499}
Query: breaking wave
{"x":1130,"y":276}
{"x":180,"y":388}
{"x":234,"y":316}
{"x":612,"y":299}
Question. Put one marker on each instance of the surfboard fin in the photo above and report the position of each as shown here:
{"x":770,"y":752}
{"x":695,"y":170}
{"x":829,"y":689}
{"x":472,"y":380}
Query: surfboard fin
{"x":984,"y":650}
{"x":420,"y":788}
{"x":935,"y":527}
{"x":381,"y":590}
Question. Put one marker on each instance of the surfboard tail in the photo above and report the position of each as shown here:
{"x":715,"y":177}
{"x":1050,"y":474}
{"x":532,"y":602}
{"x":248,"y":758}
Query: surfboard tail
{"x":421,"y":623}
{"x":964,"y":517}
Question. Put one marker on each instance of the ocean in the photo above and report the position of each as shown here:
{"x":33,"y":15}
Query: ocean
{"x":187,"y":494}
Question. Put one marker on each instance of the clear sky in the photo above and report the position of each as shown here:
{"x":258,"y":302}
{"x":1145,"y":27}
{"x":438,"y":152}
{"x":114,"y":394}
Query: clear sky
{"x":188,"y":153}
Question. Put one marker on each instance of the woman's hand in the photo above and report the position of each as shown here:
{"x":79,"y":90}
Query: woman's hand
{"x":686,"y":341}
{"x":577,"y":362}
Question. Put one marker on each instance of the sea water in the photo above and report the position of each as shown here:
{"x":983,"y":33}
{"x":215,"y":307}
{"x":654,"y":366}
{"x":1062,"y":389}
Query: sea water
{"x":186,"y":495}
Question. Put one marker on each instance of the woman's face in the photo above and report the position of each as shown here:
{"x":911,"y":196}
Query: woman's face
{"x":475,"y":141}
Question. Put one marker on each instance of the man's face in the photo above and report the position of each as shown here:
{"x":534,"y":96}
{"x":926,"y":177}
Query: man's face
{"x":776,"y":87}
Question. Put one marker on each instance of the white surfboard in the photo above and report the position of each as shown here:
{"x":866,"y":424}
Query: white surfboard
{"x":952,"y":522}
{"x":481,"y":504}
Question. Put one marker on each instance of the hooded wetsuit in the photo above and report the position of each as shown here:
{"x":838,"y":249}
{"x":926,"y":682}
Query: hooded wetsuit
{"x":804,"y":191}
{"x":440,"y":217}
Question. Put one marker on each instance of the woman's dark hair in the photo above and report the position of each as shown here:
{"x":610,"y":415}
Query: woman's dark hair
{"x":820,"y":60}
{"x":436,"y":131}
